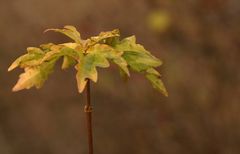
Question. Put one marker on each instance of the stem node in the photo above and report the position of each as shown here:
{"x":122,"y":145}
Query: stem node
{"x":88,"y":108}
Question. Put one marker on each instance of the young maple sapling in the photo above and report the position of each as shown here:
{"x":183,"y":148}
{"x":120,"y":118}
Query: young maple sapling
{"x":86,"y":55}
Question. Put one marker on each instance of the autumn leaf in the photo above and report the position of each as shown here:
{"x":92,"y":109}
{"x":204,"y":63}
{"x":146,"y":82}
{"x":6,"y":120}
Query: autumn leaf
{"x":47,"y":47}
{"x":60,"y":51}
{"x":112,"y":54}
{"x":129,"y":44}
{"x":86,"y":69}
{"x":139,"y":61}
{"x":108,"y":37}
{"x":69,"y":31}
{"x":87,"y":55}
{"x":153,"y":71}
{"x":68,"y":62}
{"x":138,"y":58}
{"x":157,"y":83}
{"x":142,"y":61}
{"x":105,"y":35}
{"x":34,"y":76}
{"x":30,"y":59}
{"x":17,"y":62}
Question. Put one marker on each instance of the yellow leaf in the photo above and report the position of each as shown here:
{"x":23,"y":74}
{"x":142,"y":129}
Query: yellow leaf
{"x":34,"y":76}
{"x":69,"y":31}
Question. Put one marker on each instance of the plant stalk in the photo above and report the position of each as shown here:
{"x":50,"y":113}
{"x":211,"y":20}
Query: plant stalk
{"x":88,"y":111}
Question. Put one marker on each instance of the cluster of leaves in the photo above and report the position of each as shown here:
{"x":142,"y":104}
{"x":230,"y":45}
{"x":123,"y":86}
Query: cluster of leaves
{"x":86,"y":55}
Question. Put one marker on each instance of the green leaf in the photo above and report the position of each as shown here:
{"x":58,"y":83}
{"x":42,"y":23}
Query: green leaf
{"x":30,"y":59}
{"x":157,"y":83}
{"x":121,"y":62}
{"x":105,"y":50}
{"x":137,"y":57}
{"x":123,"y":75}
{"x":111,"y":54}
{"x":105,"y":35}
{"x":34,"y":50}
{"x":129,"y":44}
{"x":17,"y":62}
{"x":153,"y":71}
{"x":108,"y":37}
{"x":58,"y":51}
{"x":139,"y":61}
{"x":69,"y":31}
{"x":72,"y":45}
{"x":68,"y":62}
{"x":34,"y":76}
{"x":87,"y":68}
{"x":47,"y":47}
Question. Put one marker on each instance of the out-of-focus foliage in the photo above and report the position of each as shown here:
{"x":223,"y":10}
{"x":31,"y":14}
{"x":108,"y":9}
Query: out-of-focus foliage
{"x":158,"y":21}
{"x":86,"y":55}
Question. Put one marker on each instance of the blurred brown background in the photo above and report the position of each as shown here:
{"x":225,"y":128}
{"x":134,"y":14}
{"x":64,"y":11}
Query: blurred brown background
{"x":199,"y":42}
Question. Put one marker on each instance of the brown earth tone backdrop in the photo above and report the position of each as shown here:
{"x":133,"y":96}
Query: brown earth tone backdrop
{"x":199,"y":43}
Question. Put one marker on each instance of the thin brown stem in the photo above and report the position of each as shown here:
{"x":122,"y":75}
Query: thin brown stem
{"x":88,"y":111}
